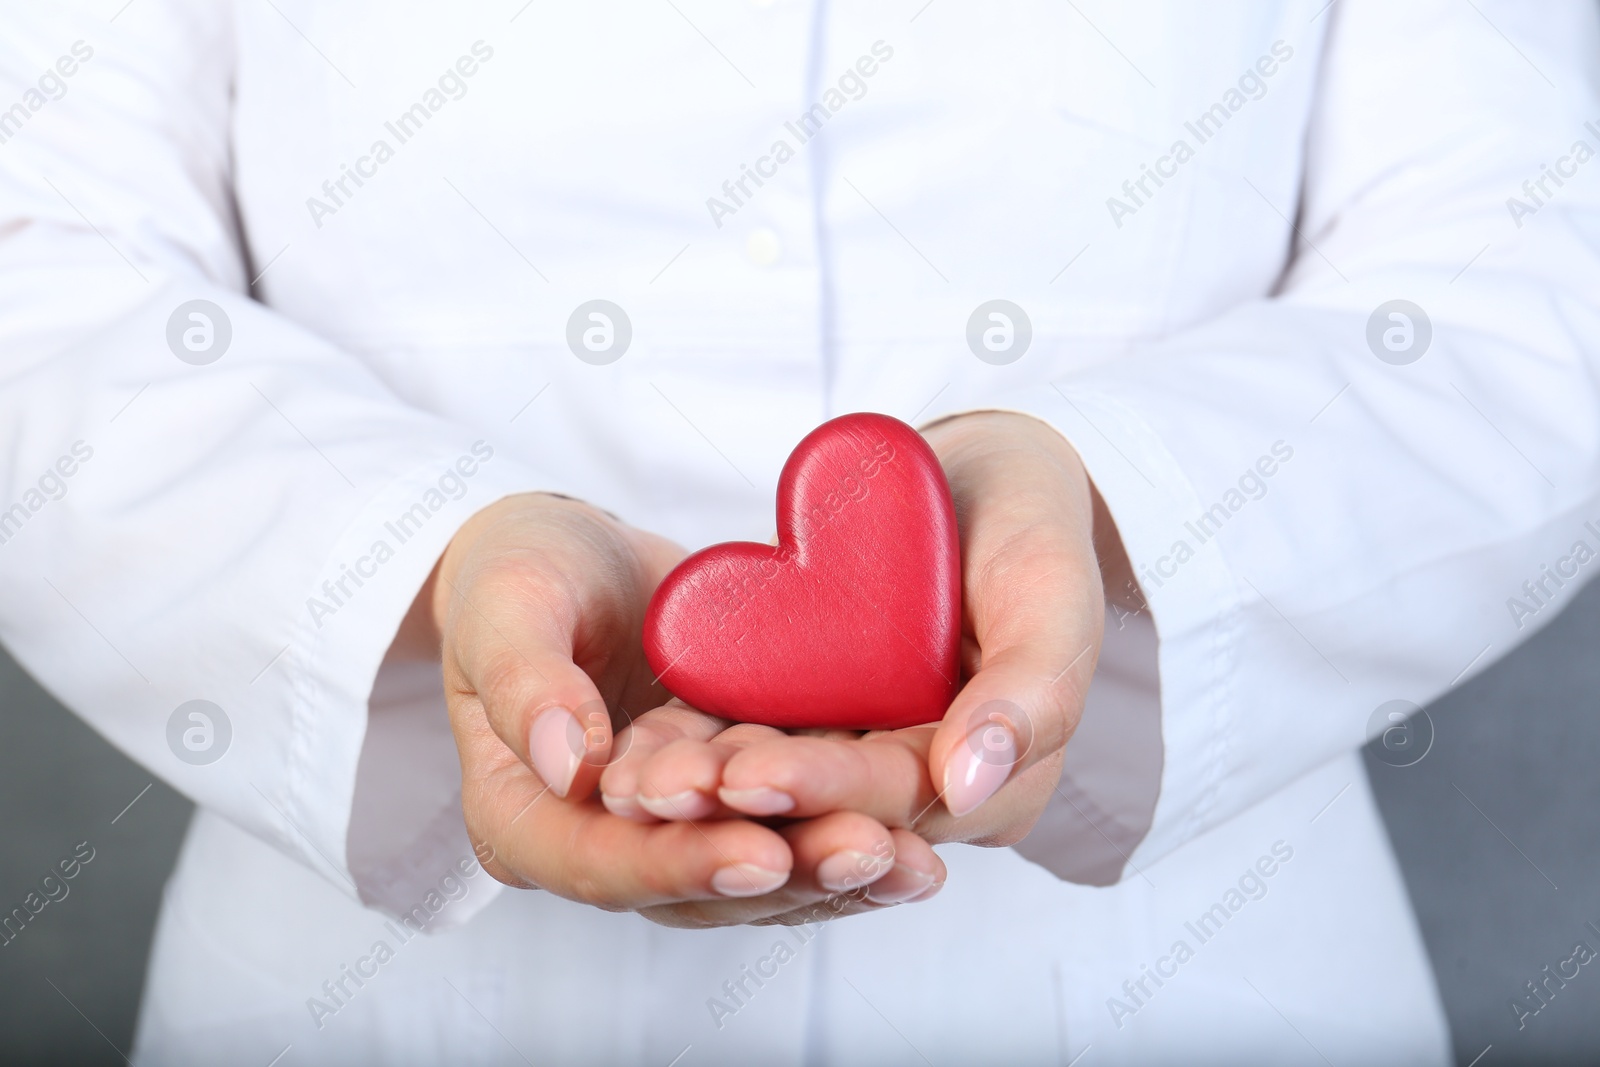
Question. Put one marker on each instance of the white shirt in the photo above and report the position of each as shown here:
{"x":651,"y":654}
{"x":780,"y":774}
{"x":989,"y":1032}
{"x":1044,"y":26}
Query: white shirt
{"x":1329,"y":507}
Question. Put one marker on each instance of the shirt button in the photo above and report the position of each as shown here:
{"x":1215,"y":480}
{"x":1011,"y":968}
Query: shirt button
{"x":762,"y":247}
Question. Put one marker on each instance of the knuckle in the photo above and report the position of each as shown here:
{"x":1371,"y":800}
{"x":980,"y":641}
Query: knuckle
{"x":505,"y":682}
{"x":586,"y":888}
{"x":674,"y":850}
{"x":655,"y":883}
{"x":529,"y":578}
{"x":487,"y":854}
{"x":650,"y":735}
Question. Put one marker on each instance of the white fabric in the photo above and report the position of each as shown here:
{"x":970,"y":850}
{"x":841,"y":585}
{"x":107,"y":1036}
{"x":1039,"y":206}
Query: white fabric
{"x":1007,"y":965}
{"x":1176,"y":341}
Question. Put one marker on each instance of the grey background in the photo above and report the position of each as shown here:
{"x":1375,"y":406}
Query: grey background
{"x":1500,"y":892}
{"x":61,"y":783}
{"x":1505,"y":890}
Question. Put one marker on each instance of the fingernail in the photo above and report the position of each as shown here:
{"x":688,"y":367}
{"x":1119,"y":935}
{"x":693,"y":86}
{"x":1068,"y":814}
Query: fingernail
{"x":900,"y":885}
{"x":689,"y":804}
{"x":626,"y":806}
{"x":747,"y":880}
{"x":555,"y":745}
{"x":762,"y":801}
{"x":847,"y":869}
{"x":978,"y":767}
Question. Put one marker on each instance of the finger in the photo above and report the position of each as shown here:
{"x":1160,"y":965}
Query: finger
{"x":640,"y":740}
{"x":579,"y":850}
{"x":971,"y":657}
{"x":510,"y":654}
{"x":680,"y":780}
{"x":1032,"y":600}
{"x":884,"y":776}
{"x":1034,"y":604}
{"x":848,"y":853}
{"x":916,"y":874}
{"x":840,"y":854}
{"x":1018,"y":710}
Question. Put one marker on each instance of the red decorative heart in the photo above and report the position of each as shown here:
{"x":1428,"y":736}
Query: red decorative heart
{"x":853,"y":621}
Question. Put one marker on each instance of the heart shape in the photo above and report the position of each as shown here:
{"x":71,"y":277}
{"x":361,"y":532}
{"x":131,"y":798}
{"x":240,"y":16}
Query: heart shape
{"x":852,"y":621}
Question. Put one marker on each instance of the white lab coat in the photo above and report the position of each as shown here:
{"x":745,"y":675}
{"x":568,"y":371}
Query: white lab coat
{"x":1187,"y":329}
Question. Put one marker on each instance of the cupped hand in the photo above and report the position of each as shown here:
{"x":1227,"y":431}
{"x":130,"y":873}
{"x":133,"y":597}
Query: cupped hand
{"x":536,"y":608}
{"x":1033,"y":614}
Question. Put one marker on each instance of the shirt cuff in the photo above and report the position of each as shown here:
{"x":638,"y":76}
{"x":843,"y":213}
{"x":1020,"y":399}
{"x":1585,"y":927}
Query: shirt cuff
{"x":408,"y":849}
{"x":372,"y":797}
{"x":1111,"y":772}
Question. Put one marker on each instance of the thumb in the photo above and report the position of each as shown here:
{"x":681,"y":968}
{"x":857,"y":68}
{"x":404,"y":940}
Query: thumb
{"x":1019,"y":709}
{"x":509,"y":657}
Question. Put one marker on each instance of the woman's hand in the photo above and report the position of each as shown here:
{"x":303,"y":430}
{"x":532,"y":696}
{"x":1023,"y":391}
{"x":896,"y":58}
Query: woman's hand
{"x":536,"y":608}
{"x":1033,"y":612}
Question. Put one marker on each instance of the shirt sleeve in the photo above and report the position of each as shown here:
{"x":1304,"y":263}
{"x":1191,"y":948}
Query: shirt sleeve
{"x":211,"y":521}
{"x":1370,"y":483}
